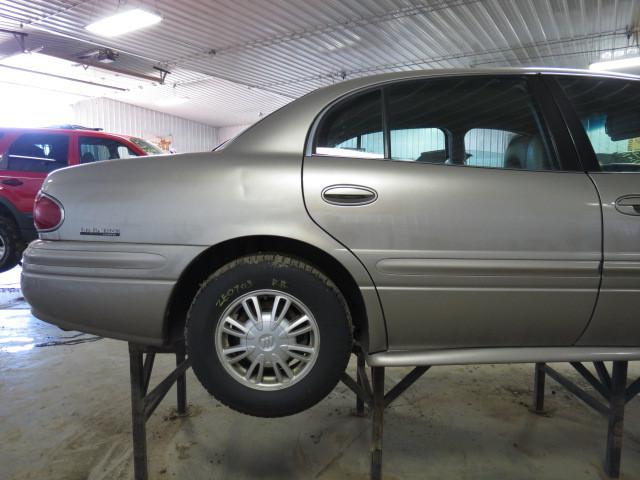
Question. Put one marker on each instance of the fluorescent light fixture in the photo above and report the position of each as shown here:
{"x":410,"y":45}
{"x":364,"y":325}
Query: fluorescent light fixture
{"x":614,"y":65}
{"x":55,"y":74}
{"x":123,"y":22}
{"x":171,"y":101}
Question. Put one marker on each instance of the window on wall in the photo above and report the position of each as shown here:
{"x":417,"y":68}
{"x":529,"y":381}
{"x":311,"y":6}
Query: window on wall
{"x":609,"y":113}
{"x":353,"y":128}
{"x":474,"y":121}
{"x":93,"y":149}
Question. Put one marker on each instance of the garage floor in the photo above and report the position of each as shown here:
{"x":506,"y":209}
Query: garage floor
{"x":65,"y":414}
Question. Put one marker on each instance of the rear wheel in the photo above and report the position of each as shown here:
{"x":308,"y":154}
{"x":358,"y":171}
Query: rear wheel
{"x":11,"y":244}
{"x":268,"y":335}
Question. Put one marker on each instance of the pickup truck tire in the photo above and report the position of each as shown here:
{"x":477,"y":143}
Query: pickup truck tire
{"x":11,"y":244}
{"x":268,"y":335}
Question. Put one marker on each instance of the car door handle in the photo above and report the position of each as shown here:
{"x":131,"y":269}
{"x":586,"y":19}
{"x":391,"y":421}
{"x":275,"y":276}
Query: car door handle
{"x":349,"y":195}
{"x":14,"y":182}
{"x":628,"y":204}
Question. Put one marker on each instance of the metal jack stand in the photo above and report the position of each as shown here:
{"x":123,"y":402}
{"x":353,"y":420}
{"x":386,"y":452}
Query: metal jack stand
{"x":372,"y":394}
{"x":144,"y":403}
{"x":613,"y":388}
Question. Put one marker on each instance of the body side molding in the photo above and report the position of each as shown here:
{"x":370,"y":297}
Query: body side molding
{"x":466,"y":356}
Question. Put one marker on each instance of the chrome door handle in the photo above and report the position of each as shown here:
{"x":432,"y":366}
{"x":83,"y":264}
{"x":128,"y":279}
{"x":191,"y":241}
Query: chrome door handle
{"x":628,"y":204}
{"x":349,"y":195}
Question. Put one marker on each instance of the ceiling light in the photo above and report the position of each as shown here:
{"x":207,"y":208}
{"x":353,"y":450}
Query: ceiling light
{"x":613,"y":65}
{"x":171,"y":101}
{"x":123,"y":22}
{"x":29,"y":69}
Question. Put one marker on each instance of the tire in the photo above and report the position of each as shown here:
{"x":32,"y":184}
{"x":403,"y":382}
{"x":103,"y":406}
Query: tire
{"x":11,"y":244}
{"x":259,"y":384}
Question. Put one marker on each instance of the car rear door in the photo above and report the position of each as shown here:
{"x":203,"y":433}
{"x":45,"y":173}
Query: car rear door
{"x":26,"y":163}
{"x":605,"y":116}
{"x":477,"y":227}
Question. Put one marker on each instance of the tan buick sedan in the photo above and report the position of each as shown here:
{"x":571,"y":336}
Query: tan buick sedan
{"x":433,"y":217}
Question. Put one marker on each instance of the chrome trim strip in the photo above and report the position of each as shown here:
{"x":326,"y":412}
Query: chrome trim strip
{"x":467,"y":356}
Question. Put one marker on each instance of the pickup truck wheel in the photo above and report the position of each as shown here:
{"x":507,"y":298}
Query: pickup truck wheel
{"x":268,"y":335}
{"x":11,"y":245}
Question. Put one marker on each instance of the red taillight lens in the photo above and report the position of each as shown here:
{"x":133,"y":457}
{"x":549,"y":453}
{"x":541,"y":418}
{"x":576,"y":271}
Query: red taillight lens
{"x":47,"y":213}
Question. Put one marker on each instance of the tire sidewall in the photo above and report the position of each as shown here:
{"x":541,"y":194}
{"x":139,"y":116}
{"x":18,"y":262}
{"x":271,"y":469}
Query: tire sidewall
{"x":293,"y":278}
{"x":6,"y":240}
{"x":10,"y":237}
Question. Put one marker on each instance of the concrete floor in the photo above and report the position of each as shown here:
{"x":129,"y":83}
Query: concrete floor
{"x":65,"y":414}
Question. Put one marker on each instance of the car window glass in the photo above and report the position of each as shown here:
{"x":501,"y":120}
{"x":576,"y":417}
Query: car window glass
{"x":421,"y":144}
{"x":33,"y":152}
{"x":93,"y":149}
{"x":609,"y":113}
{"x":487,"y":147}
{"x":146,"y":146}
{"x":124,"y":152}
{"x":485,"y":122}
{"x":353,"y":128}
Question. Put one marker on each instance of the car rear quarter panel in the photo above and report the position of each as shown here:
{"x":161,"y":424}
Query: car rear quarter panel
{"x":198,"y":200}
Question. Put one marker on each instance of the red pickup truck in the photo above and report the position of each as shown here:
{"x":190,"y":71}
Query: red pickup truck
{"x":26,"y":158}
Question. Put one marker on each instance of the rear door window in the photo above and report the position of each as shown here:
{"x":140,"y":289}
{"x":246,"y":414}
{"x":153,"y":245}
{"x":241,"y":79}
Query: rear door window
{"x":93,"y":149}
{"x":473,"y":121}
{"x":419,"y":144}
{"x":487,"y":147}
{"x":35,"y":152}
{"x":353,"y":128}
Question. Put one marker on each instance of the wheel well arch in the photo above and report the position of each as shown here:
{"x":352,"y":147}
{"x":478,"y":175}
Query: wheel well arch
{"x":7,"y":212}
{"x":218,"y":255}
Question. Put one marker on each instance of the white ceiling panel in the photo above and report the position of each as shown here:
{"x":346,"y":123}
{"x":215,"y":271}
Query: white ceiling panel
{"x":237,"y":59}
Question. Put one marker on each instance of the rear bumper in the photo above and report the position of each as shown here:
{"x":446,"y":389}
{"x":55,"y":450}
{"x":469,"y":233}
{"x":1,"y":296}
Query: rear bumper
{"x":114,"y":290}
{"x":27,"y":228}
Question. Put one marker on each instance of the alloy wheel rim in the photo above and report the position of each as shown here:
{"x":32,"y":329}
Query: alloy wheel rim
{"x":267,"y":340}
{"x":3,"y":248}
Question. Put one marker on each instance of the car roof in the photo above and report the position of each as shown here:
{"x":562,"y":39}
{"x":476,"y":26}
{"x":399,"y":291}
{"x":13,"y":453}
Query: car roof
{"x":96,"y":133}
{"x":382,"y":78}
{"x":284,"y":131}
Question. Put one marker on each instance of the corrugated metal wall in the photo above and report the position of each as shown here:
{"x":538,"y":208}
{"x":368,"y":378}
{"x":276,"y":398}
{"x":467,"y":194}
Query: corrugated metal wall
{"x":226,"y":133}
{"x":119,"y":117}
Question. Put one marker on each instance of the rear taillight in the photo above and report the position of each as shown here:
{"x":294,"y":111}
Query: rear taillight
{"x":47,"y":213}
